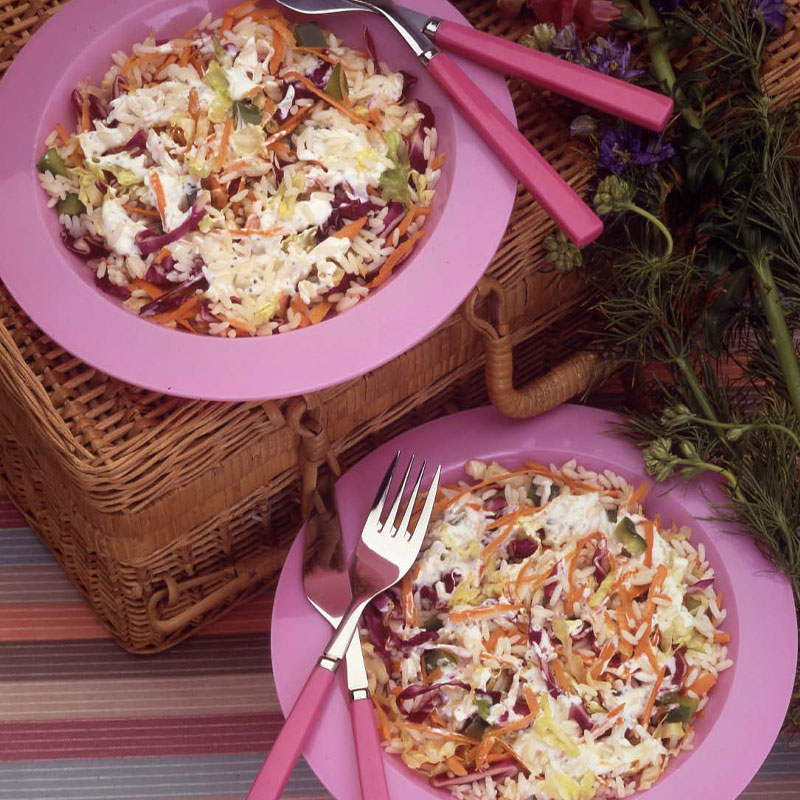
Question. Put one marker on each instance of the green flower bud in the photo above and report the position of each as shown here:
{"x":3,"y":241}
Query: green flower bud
{"x":561,"y":253}
{"x":541,"y":37}
{"x":613,"y":194}
{"x":676,"y":415}
{"x":659,"y":460}
{"x":630,"y":19}
{"x":734,"y":434}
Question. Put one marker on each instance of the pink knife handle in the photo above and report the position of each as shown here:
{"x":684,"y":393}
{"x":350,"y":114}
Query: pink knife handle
{"x":281,"y":759}
{"x":633,"y":103}
{"x":369,"y":752}
{"x":573,"y":216}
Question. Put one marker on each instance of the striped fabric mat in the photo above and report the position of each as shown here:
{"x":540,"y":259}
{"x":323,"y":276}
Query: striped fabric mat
{"x":82,"y":720}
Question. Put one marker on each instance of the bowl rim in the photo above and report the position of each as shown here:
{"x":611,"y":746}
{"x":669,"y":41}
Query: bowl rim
{"x":68,"y":307}
{"x":754,"y":592}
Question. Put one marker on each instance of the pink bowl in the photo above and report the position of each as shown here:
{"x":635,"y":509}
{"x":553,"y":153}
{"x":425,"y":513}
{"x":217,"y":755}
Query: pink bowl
{"x":745,"y":709}
{"x":56,"y":289}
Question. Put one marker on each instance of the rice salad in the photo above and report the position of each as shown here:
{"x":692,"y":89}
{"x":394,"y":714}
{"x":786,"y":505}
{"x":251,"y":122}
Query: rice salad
{"x":551,"y":643}
{"x":248,"y":178}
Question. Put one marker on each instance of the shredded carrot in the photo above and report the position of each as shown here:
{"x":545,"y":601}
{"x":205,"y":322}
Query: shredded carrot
{"x":719,"y":600}
{"x":162,"y":254}
{"x":280,"y":27}
{"x":456,"y":766}
{"x":721,"y":636}
{"x":184,"y":311}
{"x":639,"y":494}
{"x":165,"y":63}
{"x":703,"y":684}
{"x":558,"y":671}
{"x":646,"y":647}
{"x":223,"y":145}
{"x":413,"y":213}
{"x":649,"y":531}
{"x":194,"y":104}
{"x":351,"y":229}
{"x":438,"y":161}
{"x":299,"y":307}
{"x":652,"y":701}
{"x":288,"y":126}
{"x":490,"y":642}
{"x":319,"y":53}
{"x":283,"y":303}
{"x":153,"y":291}
{"x":486,"y":612}
{"x":531,"y":699}
{"x":483,"y":750}
{"x":435,"y":675}
{"x":253,"y":232}
{"x":277,"y":56}
{"x":227,"y":22}
{"x":241,"y":10}
{"x":603,"y":725}
{"x":327,"y":98}
{"x":394,"y":259}
{"x":147,"y":212}
{"x":453,"y":737}
{"x":158,"y":191}
{"x":85,"y":119}
{"x":409,"y":606}
{"x":183,"y":59}
{"x":605,"y":654}
{"x":514,"y":726}
{"x":383,"y":721}
{"x":507,"y":518}
{"x":62,"y":133}
{"x":375,"y":116}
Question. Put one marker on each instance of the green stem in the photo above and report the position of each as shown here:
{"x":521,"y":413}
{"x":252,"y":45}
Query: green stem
{"x":655,"y":221}
{"x":721,"y":471}
{"x":697,"y":390}
{"x":662,"y":68}
{"x":780,"y":337}
{"x":766,"y":426}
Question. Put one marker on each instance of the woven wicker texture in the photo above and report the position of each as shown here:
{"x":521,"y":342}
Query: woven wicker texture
{"x":168,"y":512}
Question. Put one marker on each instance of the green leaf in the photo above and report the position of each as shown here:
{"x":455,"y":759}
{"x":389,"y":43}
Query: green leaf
{"x":722,"y":311}
{"x":337,"y":86}
{"x":71,"y":205}
{"x":394,"y":181}
{"x":216,"y":79}
{"x":246,"y":114}
{"x":309,"y":34}
{"x":51,"y":161}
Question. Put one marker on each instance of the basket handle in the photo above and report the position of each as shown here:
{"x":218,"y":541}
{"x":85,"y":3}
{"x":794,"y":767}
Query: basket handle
{"x":238,"y":577}
{"x":571,"y":377}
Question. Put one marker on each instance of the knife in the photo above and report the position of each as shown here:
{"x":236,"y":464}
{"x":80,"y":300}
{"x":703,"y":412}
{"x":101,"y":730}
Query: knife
{"x":327,"y":586}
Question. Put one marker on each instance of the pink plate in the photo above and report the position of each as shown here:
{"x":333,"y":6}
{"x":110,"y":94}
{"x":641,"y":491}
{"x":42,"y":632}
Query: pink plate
{"x":471,"y":211}
{"x":748,"y":704}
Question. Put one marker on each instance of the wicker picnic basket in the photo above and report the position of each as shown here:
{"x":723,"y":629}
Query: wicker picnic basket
{"x":166,"y":513}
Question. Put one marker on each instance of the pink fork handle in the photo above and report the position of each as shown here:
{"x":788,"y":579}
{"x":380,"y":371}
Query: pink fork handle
{"x":369,"y":752}
{"x":573,"y":216}
{"x":281,"y":759}
{"x":633,"y":103}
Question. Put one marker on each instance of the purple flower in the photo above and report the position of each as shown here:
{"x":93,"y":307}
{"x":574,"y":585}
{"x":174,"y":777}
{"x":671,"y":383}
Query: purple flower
{"x":666,"y":6}
{"x":623,"y":148}
{"x":611,"y":57}
{"x":565,"y":44}
{"x":772,"y":11}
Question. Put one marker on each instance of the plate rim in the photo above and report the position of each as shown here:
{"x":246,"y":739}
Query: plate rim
{"x":771,"y":692}
{"x":110,"y":339}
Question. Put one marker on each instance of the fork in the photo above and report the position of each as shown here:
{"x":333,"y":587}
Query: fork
{"x":384,"y":554}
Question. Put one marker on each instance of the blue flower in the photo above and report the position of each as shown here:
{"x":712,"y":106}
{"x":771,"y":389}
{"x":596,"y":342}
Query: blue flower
{"x":772,"y":11}
{"x":622,"y":148}
{"x":610,"y":57}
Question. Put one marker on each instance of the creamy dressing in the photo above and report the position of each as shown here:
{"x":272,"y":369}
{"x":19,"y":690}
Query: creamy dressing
{"x":118,"y":228}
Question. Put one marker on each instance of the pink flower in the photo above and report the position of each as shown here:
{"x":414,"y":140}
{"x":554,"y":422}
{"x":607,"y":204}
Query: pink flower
{"x":588,"y":16}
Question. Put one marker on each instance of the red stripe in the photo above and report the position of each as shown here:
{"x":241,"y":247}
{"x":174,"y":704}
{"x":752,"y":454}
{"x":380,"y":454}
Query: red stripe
{"x":115,"y":738}
{"x":30,"y":622}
